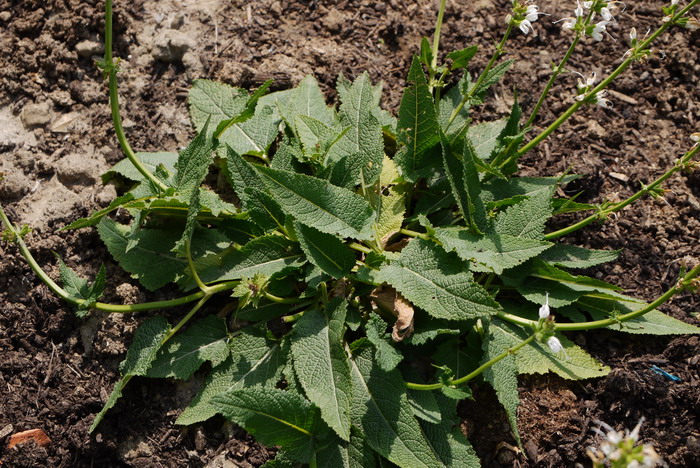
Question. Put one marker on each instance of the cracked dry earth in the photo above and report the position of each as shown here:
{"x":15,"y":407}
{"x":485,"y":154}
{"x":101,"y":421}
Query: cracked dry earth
{"x":55,"y":140}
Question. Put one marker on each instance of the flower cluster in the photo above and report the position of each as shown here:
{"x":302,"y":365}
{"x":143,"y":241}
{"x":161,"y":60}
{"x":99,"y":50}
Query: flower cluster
{"x":584,"y":22}
{"x":585,"y":85}
{"x":618,"y":449}
{"x":545,"y":323}
{"x":523,"y":16}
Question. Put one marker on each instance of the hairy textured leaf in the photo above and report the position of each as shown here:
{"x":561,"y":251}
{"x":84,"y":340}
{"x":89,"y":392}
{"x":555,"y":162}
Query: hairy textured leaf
{"x":321,"y":364}
{"x":79,"y":287}
{"x":571,"y":256}
{"x":97,"y":216}
{"x":494,"y":251}
{"x":318,"y":204}
{"x":362,"y":146}
{"x":485,"y":136}
{"x":206,"y":340}
{"x":242,"y":176}
{"x":477,"y":211}
{"x":449,"y":104}
{"x":572,"y":363}
{"x":274,"y":417}
{"x":151,"y":161}
{"x":326,"y":251}
{"x":438,"y":282}
{"x":386,"y":354}
{"x":492,"y":77}
{"x":651,"y":323}
{"x":215,"y":102}
{"x":380,"y":407}
{"x":265,"y":255}
{"x":418,"y":126}
{"x":316,"y":137}
{"x":461,"y":58}
{"x":264,"y":210}
{"x":193,"y":163}
{"x":147,"y":340}
{"x":255,"y":135}
{"x":526,"y":219}
{"x":447,"y":439}
{"x":151,"y":261}
{"x":306,"y":100}
{"x":253,"y":361}
{"x":503,"y":376}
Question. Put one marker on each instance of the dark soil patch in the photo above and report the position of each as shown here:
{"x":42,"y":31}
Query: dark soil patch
{"x":57,"y":370}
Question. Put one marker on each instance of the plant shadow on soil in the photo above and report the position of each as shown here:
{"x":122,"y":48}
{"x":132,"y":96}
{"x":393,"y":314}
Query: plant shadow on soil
{"x":57,"y":370}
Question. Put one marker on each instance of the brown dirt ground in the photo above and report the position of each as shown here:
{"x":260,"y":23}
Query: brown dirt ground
{"x":57,"y":370}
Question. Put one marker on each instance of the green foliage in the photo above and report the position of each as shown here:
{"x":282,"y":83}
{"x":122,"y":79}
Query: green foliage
{"x":353,"y":244}
{"x":80,"y":288}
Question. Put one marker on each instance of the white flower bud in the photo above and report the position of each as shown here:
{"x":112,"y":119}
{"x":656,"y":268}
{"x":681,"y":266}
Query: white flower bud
{"x":544,"y":310}
{"x":554,"y":344}
{"x":633,"y":34}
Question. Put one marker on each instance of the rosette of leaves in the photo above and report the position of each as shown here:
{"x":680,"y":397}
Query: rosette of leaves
{"x":363,"y":251}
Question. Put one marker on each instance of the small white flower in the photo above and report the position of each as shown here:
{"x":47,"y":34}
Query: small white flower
{"x":544,"y":310}
{"x":590,"y":81}
{"x":554,"y":344}
{"x":605,"y":13}
{"x":695,"y":137}
{"x":633,"y":34}
{"x":598,"y":30}
{"x":600,"y":100}
{"x":579,"y":11}
{"x":674,"y":2}
{"x":526,"y":26}
{"x":531,"y":13}
{"x":587,"y":4}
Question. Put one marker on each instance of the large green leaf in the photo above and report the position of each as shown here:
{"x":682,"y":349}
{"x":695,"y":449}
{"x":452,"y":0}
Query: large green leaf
{"x":206,"y":340}
{"x":265,"y":255}
{"x":326,"y":251}
{"x":253,"y":360}
{"x":438,"y":282}
{"x":79,"y":287}
{"x":527,"y":218}
{"x":571,"y":256}
{"x":572,"y":363}
{"x":418,"y":126}
{"x":274,"y":417}
{"x":446,"y":437}
{"x":651,"y":323}
{"x":151,"y":161}
{"x":321,"y":364}
{"x":242,"y":176}
{"x":319,"y":204}
{"x":306,"y":100}
{"x":380,"y":407}
{"x":147,"y":340}
{"x":362,"y":145}
{"x":151,"y":261}
{"x":496,"y":252}
{"x":193,"y":163}
{"x":503,"y":375}
{"x":215,"y":102}
{"x":484,"y":137}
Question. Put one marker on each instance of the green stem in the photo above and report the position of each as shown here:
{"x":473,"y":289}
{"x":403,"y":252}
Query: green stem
{"x":493,"y":361}
{"x":602,"y":85}
{"x":111,"y":69}
{"x":602,"y":214}
{"x":436,"y":43}
{"x":408,"y":232}
{"x":478,"y":371}
{"x":280,"y":300}
{"x":680,"y":285}
{"x":359,"y":247}
{"x":552,"y":79}
{"x":190,"y":263}
{"x":114,"y":308}
{"x":186,"y":318}
{"x":482,"y":77}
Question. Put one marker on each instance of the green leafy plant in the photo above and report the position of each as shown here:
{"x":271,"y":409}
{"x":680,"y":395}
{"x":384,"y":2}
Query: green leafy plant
{"x":401,"y":258}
